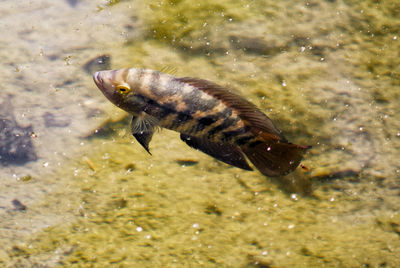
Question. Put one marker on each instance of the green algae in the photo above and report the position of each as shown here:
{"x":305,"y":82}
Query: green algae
{"x":375,"y":47}
{"x":139,"y":210}
{"x":165,"y":215}
{"x":180,"y":22}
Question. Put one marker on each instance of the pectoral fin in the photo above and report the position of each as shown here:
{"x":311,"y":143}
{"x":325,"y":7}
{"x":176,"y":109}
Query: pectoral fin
{"x":227,"y":153}
{"x":142,"y":128}
{"x":144,"y":139}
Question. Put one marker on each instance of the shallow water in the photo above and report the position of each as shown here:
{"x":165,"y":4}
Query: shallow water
{"x":328,"y":74}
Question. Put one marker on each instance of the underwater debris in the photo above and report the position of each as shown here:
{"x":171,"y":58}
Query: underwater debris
{"x":213,"y":209}
{"x":90,"y":163}
{"x":339,"y":174}
{"x":18,"y":205}
{"x":186,"y":162}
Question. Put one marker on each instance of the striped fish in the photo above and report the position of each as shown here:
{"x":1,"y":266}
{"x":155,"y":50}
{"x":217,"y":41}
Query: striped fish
{"x":208,"y":117}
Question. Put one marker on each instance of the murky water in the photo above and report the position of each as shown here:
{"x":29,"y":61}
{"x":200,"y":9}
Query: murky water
{"x":327,"y":72}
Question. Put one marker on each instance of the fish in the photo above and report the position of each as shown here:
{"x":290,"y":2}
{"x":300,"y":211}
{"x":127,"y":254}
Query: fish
{"x":210,"y":118}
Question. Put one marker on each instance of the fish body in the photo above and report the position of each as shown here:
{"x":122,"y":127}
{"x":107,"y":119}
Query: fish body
{"x":209,"y":118}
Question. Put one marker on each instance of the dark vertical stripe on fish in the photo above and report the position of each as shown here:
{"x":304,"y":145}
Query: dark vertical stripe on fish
{"x":229,"y":135}
{"x":181,"y":119}
{"x":154,"y":109}
{"x":195,"y":102}
{"x":228,"y":122}
{"x":205,"y":122}
{"x":192,"y":99}
{"x":244,"y":140}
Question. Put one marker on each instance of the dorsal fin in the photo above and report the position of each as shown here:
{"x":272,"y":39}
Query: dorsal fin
{"x":247,"y":111}
{"x":168,"y":69}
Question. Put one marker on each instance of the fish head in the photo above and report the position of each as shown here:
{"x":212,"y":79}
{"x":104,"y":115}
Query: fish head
{"x":112,"y":83}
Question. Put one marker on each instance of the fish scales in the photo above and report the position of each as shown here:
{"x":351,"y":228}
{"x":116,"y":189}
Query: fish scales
{"x":188,"y":104}
{"x":209,"y":117}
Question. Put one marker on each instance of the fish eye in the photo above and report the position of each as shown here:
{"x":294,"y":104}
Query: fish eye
{"x":123,"y":89}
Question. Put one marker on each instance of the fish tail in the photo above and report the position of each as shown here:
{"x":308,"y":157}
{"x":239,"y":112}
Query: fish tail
{"x":273,"y":156}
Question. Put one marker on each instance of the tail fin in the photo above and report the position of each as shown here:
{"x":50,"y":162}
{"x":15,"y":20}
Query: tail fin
{"x":275,"y":157}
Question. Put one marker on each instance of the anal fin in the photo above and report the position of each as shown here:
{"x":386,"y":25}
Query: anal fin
{"x":225,"y":152}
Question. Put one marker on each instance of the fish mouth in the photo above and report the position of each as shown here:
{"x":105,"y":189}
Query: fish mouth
{"x":98,"y":80}
{"x":101,"y":79}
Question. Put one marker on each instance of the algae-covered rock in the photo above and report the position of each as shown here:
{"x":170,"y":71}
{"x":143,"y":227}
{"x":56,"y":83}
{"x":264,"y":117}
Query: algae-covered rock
{"x":214,"y":27}
{"x":191,"y":25}
{"x":15,"y":140}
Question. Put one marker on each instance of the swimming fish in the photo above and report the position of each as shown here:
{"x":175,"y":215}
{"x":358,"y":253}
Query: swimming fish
{"x":208,"y":117}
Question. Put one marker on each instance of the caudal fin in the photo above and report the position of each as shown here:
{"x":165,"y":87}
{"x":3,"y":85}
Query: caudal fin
{"x":275,"y":157}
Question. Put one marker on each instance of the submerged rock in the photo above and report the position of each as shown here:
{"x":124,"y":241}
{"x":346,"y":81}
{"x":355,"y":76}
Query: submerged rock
{"x":15,"y":141}
{"x":72,"y":3}
{"x":99,"y":63}
{"x":56,"y":120}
